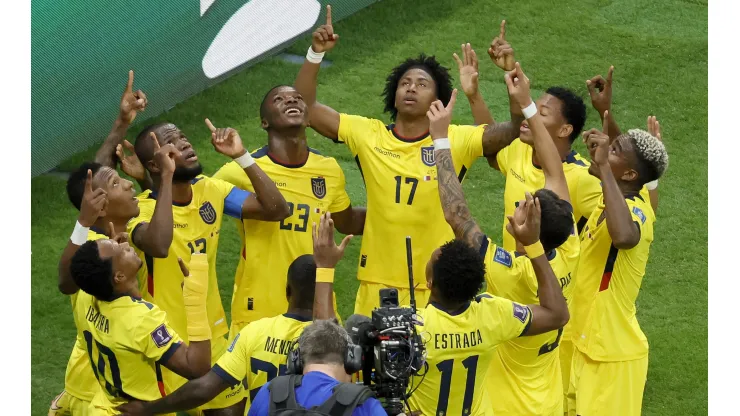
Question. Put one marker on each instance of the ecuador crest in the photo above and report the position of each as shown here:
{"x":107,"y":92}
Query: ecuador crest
{"x":318,"y":186}
{"x":207,"y":213}
{"x":427,"y":155}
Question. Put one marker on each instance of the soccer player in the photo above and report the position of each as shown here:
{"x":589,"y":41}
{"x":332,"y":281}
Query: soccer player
{"x":111,"y":201}
{"x":127,"y":338}
{"x":311,"y":183}
{"x":199,"y":204}
{"x":397,"y":164}
{"x":525,"y":372}
{"x":610,"y":360}
{"x":258,"y":353}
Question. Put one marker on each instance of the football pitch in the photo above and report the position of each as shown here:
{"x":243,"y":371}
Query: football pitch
{"x":660,"y":53}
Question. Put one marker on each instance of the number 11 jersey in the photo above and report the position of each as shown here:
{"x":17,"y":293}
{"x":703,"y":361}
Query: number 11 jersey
{"x":402,"y":195}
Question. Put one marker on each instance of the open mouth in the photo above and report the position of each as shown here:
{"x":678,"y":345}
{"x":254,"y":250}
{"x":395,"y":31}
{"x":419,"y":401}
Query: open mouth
{"x":409,"y":101}
{"x":190,"y":156}
{"x":293,"y":111}
{"x":524,"y":128}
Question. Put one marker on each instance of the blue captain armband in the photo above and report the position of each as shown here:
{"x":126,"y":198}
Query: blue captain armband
{"x":234,"y":201}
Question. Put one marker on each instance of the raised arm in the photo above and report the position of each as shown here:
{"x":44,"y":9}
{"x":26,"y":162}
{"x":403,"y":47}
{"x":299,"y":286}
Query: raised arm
{"x":552,"y":311}
{"x":131,"y":103}
{"x":624,"y":232}
{"x":266,"y":203}
{"x":519,"y":91}
{"x":155,"y":237}
{"x":323,"y":119}
{"x":468,"y":67}
{"x":451,"y":193}
{"x":326,"y":254}
{"x":600,"y":90}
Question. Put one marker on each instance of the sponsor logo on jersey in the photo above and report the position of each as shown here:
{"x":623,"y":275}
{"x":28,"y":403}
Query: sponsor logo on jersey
{"x":427,"y":155}
{"x":233,"y":343}
{"x":207,"y":213}
{"x":318,"y":186}
{"x":386,"y":152}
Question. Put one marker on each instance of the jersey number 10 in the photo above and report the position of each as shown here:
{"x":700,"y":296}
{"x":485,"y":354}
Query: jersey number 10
{"x":99,"y":370}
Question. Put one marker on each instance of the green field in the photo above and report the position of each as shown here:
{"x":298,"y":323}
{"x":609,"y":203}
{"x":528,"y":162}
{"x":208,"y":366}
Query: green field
{"x":659,"y":50}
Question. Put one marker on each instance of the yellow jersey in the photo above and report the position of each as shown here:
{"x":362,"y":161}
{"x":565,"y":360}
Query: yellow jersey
{"x":525,"y":372}
{"x":608,"y":281}
{"x":460,"y":346}
{"x":259,"y":352}
{"x":522,"y":175}
{"x":402,"y":196}
{"x":269,"y":248}
{"x":79,"y":380}
{"x":126,"y":341}
{"x":197,"y":225}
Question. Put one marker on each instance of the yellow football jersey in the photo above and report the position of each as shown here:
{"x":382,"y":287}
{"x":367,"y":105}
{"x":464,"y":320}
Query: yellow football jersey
{"x":259,"y":351}
{"x":269,"y":248}
{"x":460,"y":347}
{"x":402,"y":195}
{"x":522,"y":175}
{"x":605,"y":327}
{"x":126,"y":341}
{"x":79,"y":380}
{"x":525,"y":372}
{"x":197,"y":225}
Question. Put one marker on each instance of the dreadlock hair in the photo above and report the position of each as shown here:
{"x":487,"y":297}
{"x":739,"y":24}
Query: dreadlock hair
{"x":76,"y":182}
{"x":429,"y":64}
{"x":574,"y":110}
{"x":458,"y":273}
{"x":652,"y":157}
{"x":91,"y":273}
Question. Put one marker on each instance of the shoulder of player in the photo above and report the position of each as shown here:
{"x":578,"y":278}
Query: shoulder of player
{"x":640,"y":208}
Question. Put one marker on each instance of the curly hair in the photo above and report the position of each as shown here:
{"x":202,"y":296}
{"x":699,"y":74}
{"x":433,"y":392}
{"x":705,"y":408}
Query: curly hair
{"x":94,"y":275}
{"x":458,"y":273}
{"x":440,"y":75}
{"x":574,"y":110}
{"x":557,"y":219}
{"x":652,"y":157}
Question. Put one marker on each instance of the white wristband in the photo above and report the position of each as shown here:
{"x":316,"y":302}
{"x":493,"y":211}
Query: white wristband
{"x":79,"y":235}
{"x":652,"y":185}
{"x":441,"y":144}
{"x":530,"y":111}
{"x":245,"y":160}
{"x":313,"y":57}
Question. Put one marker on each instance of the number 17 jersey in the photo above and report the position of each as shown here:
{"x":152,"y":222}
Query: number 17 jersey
{"x":402,"y":195}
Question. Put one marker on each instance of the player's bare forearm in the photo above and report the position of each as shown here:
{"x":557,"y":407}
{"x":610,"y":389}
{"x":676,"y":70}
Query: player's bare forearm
{"x":547,"y":153}
{"x":552,"y":312}
{"x":146,"y":183}
{"x":481,"y":114}
{"x":453,"y":201}
{"x":614,"y":131}
{"x":307,"y":80}
{"x":155,"y":237}
{"x":196,"y":361}
{"x":267,"y":203}
{"x":323,"y":302}
{"x":323,"y":119}
{"x":66,"y":284}
{"x":192,"y":394}
{"x":106,"y":155}
{"x":624,"y":232}
{"x":350,"y":220}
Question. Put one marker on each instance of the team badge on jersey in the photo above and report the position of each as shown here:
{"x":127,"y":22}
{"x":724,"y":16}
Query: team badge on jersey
{"x":207,"y":213}
{"x":160,"y":336}
{"x":427,"y":155}
{"x":318,"y":186}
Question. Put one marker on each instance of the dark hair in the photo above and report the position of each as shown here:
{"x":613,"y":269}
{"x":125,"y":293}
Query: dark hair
{"x":263,"y":104}
{"x":557,"y":219}
{"x":459,"y":272}
{"x":574,"y":110}
{"x":76,"y":182}
{"x":143,"y":145}
{"x":91,"y":273}
{"x":440,"y":75}
{"x":302,"y":281}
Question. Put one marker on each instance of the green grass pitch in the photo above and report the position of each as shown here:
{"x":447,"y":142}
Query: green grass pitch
{"x":659,"y":50}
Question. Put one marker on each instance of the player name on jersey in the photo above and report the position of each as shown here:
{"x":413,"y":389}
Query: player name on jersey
{"x":458,"y":340}
{"x":277,"y":345}
{"x":99,"y":320}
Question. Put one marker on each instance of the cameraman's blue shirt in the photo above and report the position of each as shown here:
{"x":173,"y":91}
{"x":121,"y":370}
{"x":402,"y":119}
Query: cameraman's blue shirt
{"x":315,"y":389}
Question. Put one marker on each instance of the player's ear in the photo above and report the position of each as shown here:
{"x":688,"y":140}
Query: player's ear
{"x":629,"y":175}
{"x":265,"y":124}
{"x":152,"y":167}
{"x":565,"y":131}
{"x":118,"y":277}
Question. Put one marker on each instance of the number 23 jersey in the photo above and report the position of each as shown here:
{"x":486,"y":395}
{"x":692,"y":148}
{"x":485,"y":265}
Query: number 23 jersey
{"x":402,"y":195}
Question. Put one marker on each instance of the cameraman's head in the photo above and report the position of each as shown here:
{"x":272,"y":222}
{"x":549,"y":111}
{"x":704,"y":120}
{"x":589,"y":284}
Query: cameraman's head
{"x":455,"y":274}
{"x":323,"y":346}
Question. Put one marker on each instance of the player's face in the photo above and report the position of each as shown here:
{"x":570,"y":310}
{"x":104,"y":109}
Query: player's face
{"x":430,"y":267}
{"x":550,"y":109}
{"x":126,"y":263}
{"x":122,"y":202}
{"x":169,"y":133}
{"x":622,"y":159}
{"x":415,"y":93}
{"x":285,"y":109}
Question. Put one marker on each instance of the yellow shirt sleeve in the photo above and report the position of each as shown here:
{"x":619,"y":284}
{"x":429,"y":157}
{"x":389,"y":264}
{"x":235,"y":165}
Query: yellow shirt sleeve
{"x":341,"y":200}
{"x":233,"y":174}
{"x":153,"y":335}
{"x":505,"y":157}
{"x":467,"y":142}
{"x":508,"y":320}
{"x":586,"y":200}
{"x":353,"y":128}
{"x":146,"y":211}
{"x":503,"y":269}
{"x":232,"y":366}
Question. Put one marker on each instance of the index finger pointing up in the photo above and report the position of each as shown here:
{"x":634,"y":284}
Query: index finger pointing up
{"x":156,"y":142}
{"x":328,"y":14}
{"x":88,"y":182}
{"x":210,"y":126}
{"x":609,"y":75}
{"x":502,"y":30}
{"x":130,"y":85}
